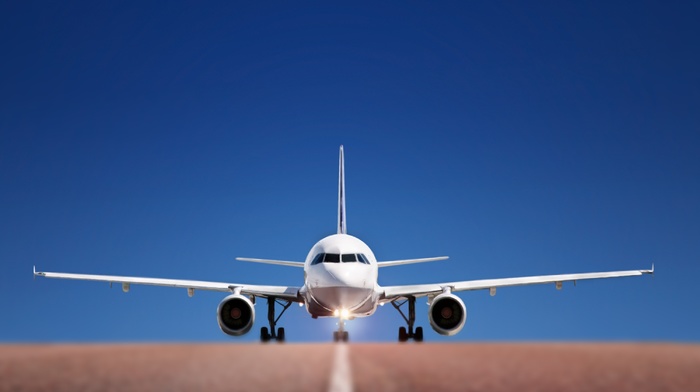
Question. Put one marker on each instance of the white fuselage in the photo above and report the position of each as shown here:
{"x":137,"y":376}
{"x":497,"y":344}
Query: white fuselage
{"x":340,"y":276}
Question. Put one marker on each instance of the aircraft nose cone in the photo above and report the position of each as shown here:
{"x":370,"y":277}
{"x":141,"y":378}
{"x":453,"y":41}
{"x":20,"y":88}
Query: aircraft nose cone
{"x":344,"y":275}
{"x":341,"y":277}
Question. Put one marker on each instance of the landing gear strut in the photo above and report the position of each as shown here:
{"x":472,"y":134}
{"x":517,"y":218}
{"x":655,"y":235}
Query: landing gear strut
{"x":265,"y":335}
{"x":404,"y":334}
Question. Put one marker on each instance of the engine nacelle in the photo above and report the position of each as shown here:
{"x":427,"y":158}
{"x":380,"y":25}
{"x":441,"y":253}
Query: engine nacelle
{"x":236,"y":315}
{"x":447,"y":314}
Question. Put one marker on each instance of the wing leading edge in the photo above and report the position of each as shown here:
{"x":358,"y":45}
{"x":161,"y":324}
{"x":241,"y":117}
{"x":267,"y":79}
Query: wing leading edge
{"x":286,"y":263}
{"x":282,"y":292}
{"x":409,"y":261}
{"x":393,"y":292}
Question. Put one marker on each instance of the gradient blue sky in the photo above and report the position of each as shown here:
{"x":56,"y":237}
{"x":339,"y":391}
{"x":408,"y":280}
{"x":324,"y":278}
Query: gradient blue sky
{"x":519,"y":139}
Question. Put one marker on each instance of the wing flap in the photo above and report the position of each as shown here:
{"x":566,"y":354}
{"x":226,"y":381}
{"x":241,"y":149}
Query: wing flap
{"x":285,"y":292}
{"x":392,"y":292}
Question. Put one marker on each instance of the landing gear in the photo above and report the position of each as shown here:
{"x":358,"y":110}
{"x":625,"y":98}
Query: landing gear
{"x":405,"y":334}
{"x":418,"y":335}
{"x":265,"y":335}
{"x":280,"y":334}
{"x":341,"y":335}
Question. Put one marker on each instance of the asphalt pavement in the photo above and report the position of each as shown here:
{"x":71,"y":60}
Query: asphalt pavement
{"x":351,"y":367}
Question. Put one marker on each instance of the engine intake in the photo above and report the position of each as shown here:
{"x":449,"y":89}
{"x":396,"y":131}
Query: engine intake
{"x":235,"y":315}
{"x":447,"y":314}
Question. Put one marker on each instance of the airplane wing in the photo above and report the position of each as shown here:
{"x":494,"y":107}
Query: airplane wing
{"x":283,"y":292}
{"x":276,"y":262}
{"x":395,"y":292}
{"x":409,"y":261}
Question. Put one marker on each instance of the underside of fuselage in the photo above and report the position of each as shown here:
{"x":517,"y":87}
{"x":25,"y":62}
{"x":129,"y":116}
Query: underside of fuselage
{"x":329,"y":301}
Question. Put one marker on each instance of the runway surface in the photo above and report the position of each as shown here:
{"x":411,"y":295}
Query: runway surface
{"x":348,"y":367}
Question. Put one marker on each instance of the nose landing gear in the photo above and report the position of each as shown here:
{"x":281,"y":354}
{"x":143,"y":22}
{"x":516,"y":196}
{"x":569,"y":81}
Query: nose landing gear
{"x":341,"y":335}
{"x":405,"y":334}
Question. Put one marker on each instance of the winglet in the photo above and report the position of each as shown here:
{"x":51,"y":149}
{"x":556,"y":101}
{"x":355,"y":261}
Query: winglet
{"x":342,"y":224}
{"x":34,"y":271}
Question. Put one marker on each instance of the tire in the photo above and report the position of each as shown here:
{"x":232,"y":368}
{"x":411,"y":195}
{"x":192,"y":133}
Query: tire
{"x":403,"y":336}
{"x":280,"y":334}
{"x":418,"y":336}
{"x":346,"y":336}
{"x":264,"y":334}
{"x":335,"y":336}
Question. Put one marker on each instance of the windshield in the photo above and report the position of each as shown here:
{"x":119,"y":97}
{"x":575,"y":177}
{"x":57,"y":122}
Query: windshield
{"x":332,"y":258}
{"x":337,"y":258}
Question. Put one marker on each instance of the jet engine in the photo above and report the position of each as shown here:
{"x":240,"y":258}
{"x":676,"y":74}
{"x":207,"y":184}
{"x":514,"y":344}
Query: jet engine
{"x":235,"y":315}
{"x":447,"y":314}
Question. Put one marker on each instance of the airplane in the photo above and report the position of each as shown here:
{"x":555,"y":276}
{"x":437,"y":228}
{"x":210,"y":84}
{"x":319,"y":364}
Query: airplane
{"x":340,"y":280}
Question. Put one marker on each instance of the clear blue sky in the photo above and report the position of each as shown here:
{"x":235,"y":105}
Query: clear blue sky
{"x":164,"y":140}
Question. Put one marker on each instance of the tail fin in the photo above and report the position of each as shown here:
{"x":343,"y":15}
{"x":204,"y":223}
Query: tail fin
{"x":342,"y":225}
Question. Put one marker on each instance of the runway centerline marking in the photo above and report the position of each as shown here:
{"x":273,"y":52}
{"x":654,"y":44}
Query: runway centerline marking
{"x":341,"y":378}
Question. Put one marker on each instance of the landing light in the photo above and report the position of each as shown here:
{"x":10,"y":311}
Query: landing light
{"x":342,"y":313}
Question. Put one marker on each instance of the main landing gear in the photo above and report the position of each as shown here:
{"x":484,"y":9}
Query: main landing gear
{"x":404,"y":334}
{"x":265,"y":335}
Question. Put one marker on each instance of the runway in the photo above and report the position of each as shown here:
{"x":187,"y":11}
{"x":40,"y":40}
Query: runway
{"x":351,"y":367}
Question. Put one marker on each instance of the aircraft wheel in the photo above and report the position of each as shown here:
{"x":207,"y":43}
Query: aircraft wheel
{"x":280,"y":334}
{"x":264,"y":334}
{"x":335,"y":336}
{"x":418,"y":336}
{"x":346,"y":336}
{"x":403,"y":336}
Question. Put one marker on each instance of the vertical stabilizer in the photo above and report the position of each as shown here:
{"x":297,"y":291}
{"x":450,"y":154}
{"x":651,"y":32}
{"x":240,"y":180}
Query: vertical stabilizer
{"x":342,"y":225}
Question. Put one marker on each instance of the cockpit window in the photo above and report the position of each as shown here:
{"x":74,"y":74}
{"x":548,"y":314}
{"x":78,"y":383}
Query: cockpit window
{"x":332,"y":258}
{"x":318,"y":259}
{"x":336,"y":258}
{"x":349,"y":258}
